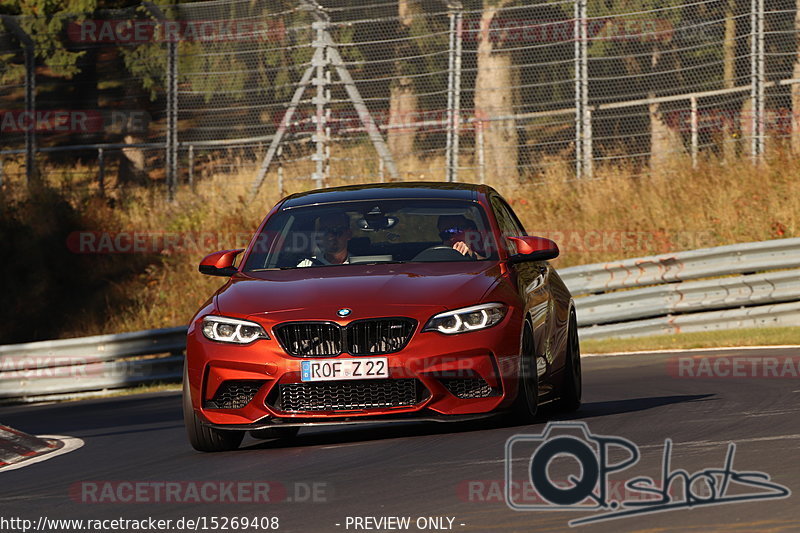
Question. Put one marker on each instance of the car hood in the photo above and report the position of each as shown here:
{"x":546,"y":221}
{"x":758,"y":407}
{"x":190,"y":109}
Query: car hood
{"x":316,"y":293}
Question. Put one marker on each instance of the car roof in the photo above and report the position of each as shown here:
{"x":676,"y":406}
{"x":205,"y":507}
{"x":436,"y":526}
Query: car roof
{"x":385,"y":191}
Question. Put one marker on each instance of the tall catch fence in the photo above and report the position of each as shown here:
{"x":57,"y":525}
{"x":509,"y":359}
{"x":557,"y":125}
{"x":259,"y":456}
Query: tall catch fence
{"x":320,"y":92}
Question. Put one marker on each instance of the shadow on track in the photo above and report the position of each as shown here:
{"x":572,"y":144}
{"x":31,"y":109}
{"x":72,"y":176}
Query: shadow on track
{"x":630,"y":405}
{"x":159,"y":411}
{"x":350,"y":434}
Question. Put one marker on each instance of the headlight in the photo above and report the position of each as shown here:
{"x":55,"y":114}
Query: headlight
{"x":467,"y":319}
{"x":224,"y":329}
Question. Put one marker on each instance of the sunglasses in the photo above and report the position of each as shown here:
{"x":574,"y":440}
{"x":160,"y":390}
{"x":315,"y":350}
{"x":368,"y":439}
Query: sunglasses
{"x":450,"y":232}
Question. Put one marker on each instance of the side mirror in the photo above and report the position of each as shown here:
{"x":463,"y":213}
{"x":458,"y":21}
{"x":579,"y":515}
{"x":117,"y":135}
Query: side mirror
{"x":533,"y":249}
{"x":220,"y":263}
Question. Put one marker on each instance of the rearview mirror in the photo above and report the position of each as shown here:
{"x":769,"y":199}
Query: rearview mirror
{"x":373,"y":222}
{"x":531,"y":248}
{"x":220,"y":263}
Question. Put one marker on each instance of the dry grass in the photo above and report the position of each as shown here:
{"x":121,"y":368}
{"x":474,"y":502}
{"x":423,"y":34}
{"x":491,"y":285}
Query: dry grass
{"x":617,"y":215}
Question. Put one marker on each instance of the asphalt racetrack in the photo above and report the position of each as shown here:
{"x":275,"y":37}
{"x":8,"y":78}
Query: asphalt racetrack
{"x":439,"y":476}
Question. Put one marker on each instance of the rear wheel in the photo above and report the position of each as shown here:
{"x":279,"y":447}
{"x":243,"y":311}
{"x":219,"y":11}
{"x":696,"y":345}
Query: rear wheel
{"x":275,"y":433}
{"x":203,"y":438}
{"x":573,"y":381}
{"x":527,"y":403}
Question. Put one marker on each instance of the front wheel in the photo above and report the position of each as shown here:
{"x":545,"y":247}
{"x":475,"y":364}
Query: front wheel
{"x":203,"y":438}
{"x":573,"y":382}
{"x":527,"y":403}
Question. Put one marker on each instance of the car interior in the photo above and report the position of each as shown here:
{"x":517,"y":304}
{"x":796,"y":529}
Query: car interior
{"x":380,"y":233}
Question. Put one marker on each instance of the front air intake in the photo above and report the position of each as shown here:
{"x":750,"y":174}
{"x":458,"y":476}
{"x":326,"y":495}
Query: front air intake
{"x":234,"y":394}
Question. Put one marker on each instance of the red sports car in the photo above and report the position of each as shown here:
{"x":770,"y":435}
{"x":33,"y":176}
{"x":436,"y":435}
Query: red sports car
{"x":422,"y":301}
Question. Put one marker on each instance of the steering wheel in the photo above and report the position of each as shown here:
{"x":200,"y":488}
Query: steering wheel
{"x":442,"y":252}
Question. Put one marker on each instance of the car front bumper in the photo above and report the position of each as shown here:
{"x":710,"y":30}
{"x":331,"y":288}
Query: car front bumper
{"x":431,"y":358}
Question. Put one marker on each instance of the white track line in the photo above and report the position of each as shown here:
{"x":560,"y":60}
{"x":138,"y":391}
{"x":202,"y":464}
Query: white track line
{"x":70,"y":445}
{"x":691,"y":350}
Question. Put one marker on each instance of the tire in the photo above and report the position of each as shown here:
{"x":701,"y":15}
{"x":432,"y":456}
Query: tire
{"x":203,"y":438}
{"x":275,"y":433}
{"x":527,"y":402}
{"x":572,"y":385}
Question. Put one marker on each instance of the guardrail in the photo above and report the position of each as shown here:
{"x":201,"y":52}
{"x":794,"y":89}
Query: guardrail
{"x":91,"y":363}
{"x":752,"y":285}
{"x":667,"y":294}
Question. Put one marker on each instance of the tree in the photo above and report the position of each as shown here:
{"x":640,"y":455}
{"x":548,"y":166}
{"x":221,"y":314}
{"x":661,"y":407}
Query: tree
{"x":495,"y":96}
{"x":43,"y":21}
{"x":403,"y":101}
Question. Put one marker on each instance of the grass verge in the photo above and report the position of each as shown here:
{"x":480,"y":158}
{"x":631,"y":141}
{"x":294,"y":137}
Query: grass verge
{"x":702,"y":339}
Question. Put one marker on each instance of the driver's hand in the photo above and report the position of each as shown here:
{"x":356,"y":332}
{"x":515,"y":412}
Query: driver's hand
{"x":462,"y":247}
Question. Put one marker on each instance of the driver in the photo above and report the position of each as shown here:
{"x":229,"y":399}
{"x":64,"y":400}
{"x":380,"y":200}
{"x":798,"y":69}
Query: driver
{"x":333,"y":234}
{"x":458,"y":232}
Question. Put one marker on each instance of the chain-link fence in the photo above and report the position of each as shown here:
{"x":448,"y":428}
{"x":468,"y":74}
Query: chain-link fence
{"x":290,"y":94}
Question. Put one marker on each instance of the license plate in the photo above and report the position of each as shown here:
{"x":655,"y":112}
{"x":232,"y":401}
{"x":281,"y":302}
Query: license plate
{"x":340,"y":369}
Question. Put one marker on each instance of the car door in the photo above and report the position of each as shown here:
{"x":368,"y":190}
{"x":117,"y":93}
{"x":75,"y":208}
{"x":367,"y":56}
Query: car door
{"x":532,"y":286}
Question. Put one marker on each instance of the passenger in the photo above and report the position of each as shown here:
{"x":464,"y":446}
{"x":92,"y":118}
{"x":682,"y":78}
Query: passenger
{"x":460,"y":233}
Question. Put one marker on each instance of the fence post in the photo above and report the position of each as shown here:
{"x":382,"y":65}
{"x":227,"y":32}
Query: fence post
{"x":586,"y":112}
{"x":451,"y":57}
{"x":172,"y":118}
{"x":481,"y":155}
{"x":757,"y":79}
{"x":319,"y":61}
{"x":279,"y":154}
{"x":454,"y":89}
{"x":191,"y":166}
{"x":588,"y":161}
{"x":171,"y":144}
{"x":31,"y":175}
{"x":693,"y":107}
{"x":761,"y":80}
{"x":577,"y":66}
{"x":101,"y":171}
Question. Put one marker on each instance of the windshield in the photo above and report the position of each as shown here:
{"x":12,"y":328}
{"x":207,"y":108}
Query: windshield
{"x":374,"y":231}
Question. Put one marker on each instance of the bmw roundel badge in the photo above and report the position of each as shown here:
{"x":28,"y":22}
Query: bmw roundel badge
{"x":344,"y":312}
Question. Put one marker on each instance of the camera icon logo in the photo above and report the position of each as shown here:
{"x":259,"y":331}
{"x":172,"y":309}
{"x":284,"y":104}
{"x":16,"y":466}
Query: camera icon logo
{"x":533,"y":463}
